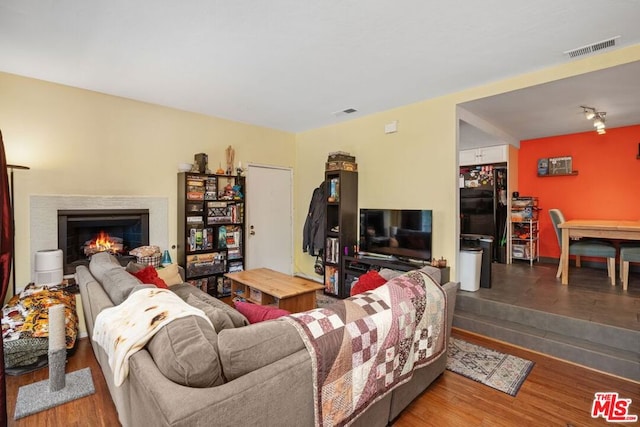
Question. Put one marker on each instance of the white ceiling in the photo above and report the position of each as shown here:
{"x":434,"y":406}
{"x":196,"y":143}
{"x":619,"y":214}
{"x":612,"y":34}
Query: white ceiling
{"x":554,"y":108}
{"x":290,"y":64}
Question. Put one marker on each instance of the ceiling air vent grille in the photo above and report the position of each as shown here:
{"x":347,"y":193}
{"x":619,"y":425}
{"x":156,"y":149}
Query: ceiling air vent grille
{"x":345,"y":111}
{"x":593,"y":47}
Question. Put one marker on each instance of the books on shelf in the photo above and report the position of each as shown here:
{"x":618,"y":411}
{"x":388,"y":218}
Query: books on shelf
{"x":235,"y":266}
{"x":195,"y":188}
{"x":225,"y":212}
{"x":199,"y":238}
{"x":223,"y":286}
{"x":203,"y":264}
{"x":202,"y":284}
{"x":211,"y":188}
{"x":334,"y":190}
{"x":331,"y":280}
{"x":332,"y":250}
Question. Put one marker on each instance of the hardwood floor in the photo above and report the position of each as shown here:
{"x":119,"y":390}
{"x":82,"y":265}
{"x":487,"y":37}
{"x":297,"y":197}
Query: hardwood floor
{"x":556,"y":393}
{"x":94,"y":410}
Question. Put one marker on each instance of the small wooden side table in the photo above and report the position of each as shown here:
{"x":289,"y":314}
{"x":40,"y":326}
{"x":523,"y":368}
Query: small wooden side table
{"x":264,"y":286}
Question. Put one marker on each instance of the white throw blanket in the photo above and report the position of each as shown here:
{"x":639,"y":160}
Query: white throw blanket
{"x":126,"y":328}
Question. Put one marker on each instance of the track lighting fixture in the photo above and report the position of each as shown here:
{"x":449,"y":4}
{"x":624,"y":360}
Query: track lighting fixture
{"x":598,"y":118}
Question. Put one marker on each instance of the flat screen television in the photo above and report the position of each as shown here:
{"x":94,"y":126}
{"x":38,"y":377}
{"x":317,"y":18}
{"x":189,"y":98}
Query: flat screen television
{"x":401,"y":233}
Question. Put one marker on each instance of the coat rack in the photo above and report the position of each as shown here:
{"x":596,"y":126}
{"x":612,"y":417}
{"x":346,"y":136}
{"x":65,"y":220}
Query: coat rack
{"x":13,"y":225}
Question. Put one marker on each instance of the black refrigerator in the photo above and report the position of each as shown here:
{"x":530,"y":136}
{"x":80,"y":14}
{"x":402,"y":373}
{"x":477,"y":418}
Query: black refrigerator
{"x":483,"y":205}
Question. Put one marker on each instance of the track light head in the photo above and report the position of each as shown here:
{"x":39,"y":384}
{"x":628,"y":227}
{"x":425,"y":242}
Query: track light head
{"x":598,"y":118}
{"x":589,"y":114}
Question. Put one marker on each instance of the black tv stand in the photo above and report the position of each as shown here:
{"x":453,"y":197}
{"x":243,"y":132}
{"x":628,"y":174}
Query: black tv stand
{"x":354,"y":267}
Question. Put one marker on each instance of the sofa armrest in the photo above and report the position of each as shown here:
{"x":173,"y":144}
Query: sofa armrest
{"x":451,"y":289}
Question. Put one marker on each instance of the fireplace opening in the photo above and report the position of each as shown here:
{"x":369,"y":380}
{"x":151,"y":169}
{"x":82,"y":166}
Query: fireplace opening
{"x":83,"y":233}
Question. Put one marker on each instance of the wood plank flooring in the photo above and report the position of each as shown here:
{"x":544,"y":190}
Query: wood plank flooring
{"x":94,"y":410}
{"x":556,"y":393}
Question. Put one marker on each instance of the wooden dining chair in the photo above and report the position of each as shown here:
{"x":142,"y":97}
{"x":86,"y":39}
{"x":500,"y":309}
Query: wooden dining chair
{"x":621,"y":245}
{"x":628,"y":253}
{"x":590,"y":248}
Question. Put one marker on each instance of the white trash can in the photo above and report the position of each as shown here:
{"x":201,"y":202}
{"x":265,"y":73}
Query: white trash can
{"x":470,"y":267}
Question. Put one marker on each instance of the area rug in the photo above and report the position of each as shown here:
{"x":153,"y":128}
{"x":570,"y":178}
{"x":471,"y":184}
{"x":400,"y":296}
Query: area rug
{"x":501,"y":371}
{"x":323,"y":300}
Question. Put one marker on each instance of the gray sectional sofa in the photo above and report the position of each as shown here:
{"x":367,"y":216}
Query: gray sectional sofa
{"x":189,"y":375}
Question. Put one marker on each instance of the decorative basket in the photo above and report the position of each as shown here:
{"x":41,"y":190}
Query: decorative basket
{"x":153,"y":260}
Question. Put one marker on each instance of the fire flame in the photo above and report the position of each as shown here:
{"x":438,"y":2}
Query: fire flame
{"x":103,"y":242}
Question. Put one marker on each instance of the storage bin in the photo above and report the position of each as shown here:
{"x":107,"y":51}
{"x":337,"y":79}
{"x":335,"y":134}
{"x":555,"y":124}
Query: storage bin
{"x":525,"y":214}
{"x":153,"y":260}
{"x":523,"y":250}
{"x":341,"y":165}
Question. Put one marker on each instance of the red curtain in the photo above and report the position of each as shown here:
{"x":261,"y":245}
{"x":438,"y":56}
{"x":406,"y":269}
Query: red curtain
{"x":6,"y":249}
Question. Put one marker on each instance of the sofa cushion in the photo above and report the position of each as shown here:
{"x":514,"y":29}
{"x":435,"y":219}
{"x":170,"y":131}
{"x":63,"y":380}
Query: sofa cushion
{"x":256,"y":313}
{"x":134,"y":267}
{"x":170,"y":274}
{"x":149,"y":275}
{"x":101,"y":263}
{"x":118,"y":284}
{"x":243,"y":350}
{"x":183,"y":290}
{"x":389,"y":274}
{"x":219,"y":317}
{"x":186,"y":352}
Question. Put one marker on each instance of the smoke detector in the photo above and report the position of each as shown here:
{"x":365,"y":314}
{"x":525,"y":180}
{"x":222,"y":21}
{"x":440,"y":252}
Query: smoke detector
{"x":591,"y":48}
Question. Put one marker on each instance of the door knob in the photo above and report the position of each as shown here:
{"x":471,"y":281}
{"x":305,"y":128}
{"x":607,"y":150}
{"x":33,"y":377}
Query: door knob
{"x":252,"y":231}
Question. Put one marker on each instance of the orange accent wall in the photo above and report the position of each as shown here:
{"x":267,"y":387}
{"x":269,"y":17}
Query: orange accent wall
{"x":607,"y":185}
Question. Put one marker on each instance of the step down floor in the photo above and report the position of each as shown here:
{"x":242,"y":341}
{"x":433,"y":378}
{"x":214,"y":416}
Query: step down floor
{"x":603,"y":347}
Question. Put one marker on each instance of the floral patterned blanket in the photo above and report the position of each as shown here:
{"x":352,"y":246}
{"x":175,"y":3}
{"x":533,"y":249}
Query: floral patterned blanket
{"x":364,"y":346}
{"x":25,"y":323}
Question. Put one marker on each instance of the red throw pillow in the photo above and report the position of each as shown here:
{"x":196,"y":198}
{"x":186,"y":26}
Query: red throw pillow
{"x":368,"y":282}
{"x":149,"y":276}
{"x":257,"y":313}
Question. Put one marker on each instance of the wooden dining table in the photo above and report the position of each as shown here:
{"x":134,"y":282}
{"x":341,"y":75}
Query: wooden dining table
{"x":600,"y":228}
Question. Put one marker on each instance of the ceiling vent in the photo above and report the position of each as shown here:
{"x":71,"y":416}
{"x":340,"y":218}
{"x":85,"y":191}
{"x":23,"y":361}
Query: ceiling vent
{"x":345,"y":111}
{"x":593,"y":47}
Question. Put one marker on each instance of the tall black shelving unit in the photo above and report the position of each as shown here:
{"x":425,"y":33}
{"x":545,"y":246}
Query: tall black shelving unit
{"x":341,"y":234}
{"x":211,"y":229}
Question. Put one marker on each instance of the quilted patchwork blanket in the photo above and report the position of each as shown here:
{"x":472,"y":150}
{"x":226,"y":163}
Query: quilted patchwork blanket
{"x":366,"y":345}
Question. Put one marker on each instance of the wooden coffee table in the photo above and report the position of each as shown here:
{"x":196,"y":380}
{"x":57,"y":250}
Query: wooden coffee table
{"x":268,"y":287}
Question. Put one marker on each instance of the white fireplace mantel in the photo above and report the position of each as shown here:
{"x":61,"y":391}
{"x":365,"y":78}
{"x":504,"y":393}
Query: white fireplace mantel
{"x":43,"y":212}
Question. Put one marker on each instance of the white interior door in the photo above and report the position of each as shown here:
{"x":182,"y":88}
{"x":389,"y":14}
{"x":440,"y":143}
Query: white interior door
{"x":269,"y":218}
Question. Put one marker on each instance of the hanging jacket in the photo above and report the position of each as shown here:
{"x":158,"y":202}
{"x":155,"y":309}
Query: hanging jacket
{"x":316,"y":222}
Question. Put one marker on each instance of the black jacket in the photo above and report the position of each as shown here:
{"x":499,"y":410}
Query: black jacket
{"x":316,"y":222}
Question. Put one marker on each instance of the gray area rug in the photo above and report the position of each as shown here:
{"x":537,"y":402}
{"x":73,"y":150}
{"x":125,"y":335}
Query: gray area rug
{"x":36,"y":397}
{"x":323,"y":300}
{"x":498,"y":370}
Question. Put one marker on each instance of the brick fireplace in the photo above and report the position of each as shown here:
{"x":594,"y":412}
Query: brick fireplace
{"x":82,"y":233}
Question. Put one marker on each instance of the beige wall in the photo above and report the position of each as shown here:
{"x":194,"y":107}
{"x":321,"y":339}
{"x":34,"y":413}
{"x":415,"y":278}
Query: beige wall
{"x":417,"y":166}
{"x":85,"y":143}
{"x":81,"y":142}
